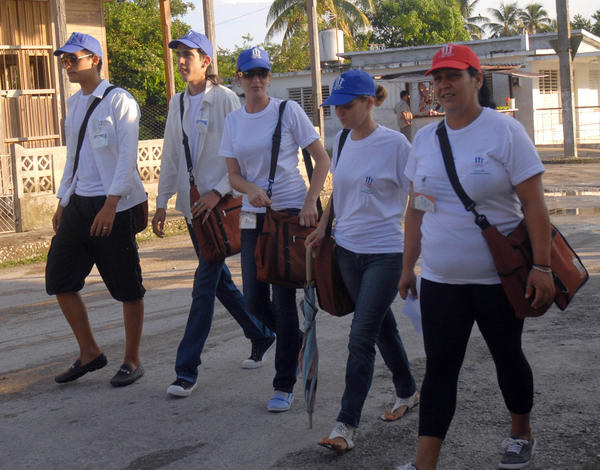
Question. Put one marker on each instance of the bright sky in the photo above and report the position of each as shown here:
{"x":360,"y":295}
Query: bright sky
{"x":236,"y":18}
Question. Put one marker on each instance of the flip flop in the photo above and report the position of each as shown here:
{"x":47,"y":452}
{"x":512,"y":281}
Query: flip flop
{"x":400,"y":408}
{"x":343,"y":432}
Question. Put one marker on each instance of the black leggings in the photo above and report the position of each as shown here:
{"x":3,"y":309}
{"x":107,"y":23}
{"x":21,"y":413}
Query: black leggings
{"x":448,"y":313}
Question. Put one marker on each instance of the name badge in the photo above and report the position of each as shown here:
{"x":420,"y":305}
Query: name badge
{"x":424,"y":202}
{"x":247,"y":220}
{"x":100,"y":140}
{"x":201,"y":125}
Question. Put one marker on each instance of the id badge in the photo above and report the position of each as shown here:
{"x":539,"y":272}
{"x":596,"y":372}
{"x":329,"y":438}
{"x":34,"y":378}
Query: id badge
{"x":201,"y":125}
{"x":247,"y":220}
{"x":100,"y":140}
{"x":424,"y":202}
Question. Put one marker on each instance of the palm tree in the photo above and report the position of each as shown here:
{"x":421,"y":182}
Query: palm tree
{"x":472,"y":23}
{"x":507,"y":20}
{"x":290,"y":16}
{"x":535,"y":18}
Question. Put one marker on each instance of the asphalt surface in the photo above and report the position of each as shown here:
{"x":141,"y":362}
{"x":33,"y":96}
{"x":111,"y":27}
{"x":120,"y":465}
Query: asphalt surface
{"x":224,"y":423}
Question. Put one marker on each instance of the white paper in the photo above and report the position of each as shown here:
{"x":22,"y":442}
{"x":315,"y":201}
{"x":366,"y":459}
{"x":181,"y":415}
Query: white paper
{"x":412,"y":309}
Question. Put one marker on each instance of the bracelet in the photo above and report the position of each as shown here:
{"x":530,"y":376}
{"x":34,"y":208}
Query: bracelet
{"x":538,"y":267}
{"x":542,"y":265}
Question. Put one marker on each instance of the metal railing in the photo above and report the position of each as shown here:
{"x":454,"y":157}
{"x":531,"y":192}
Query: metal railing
{"x":548,"y":125}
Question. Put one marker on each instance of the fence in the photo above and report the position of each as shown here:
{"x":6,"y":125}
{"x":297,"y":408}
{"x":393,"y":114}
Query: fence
{"x":549,"y":129}
{"x":35,"y":175}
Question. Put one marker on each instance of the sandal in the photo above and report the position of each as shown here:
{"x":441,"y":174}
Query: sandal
{"x":400,"y":408}
{"x":342,"y":431}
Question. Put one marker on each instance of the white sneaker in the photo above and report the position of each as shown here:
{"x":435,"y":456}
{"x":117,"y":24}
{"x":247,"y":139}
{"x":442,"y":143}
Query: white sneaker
{"x":181,"y":388}
{"x":517,"y":452}
{"x":259,"y":350}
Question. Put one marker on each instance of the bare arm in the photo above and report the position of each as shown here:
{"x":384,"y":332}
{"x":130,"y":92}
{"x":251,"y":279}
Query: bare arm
{"x":256,"y":196}
{"x":412,"y":248}
{"x":531,"y":195}
{"x":308,"y":215}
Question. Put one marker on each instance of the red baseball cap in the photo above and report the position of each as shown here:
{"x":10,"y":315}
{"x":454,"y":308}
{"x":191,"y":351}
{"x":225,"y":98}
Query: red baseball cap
{"x":452,"y":56}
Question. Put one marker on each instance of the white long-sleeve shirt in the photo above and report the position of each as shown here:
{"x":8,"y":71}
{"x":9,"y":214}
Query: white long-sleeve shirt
{"x":210,"y":171}
{"x":112,"y":132}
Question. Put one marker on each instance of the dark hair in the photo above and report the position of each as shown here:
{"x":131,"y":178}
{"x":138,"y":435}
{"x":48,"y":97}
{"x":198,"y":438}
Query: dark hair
{"x":404,"y":93}
{"x":210,"y":76}
{"x":485,"y":94}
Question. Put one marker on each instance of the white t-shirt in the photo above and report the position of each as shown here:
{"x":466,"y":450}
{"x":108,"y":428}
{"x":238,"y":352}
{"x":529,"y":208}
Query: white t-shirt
{"x":492,"y":155}
{"x":370,"y":192}
{"x":89,"y":182}
{"x":248,"y":138}
{"x":197,"y":123}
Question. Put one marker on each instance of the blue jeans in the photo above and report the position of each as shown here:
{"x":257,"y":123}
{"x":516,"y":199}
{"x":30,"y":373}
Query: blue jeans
{"x":212,"y":279}
{"x":279,"y":312}
{"x":372,"y":282}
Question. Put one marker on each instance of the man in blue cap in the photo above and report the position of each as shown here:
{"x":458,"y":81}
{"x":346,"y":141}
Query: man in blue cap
{"x":206,"y":103}
{"x":94,"y":217}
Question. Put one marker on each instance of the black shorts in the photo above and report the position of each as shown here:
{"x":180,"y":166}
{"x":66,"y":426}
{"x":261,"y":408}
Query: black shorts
{"x":73,"y":252}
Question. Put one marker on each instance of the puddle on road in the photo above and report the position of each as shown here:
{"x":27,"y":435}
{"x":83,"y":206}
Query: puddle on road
{"x":577,"y":211}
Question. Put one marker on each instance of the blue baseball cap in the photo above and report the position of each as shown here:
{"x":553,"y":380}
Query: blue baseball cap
{"x":255,"y":58}
{"x":194,"y":40}
{"x":348,"y":86}
{"x":79,"y":41}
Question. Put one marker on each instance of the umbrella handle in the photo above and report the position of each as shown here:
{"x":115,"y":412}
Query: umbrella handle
{"x":309,"y":249}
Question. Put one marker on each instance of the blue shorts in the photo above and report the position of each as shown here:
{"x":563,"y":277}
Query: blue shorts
{"x":73,"y":252}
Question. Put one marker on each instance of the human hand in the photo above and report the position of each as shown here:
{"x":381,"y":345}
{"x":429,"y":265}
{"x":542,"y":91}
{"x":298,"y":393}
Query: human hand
{"x":158,"y":222}
{"x":205,"y":204}
{"x":542,"y":285}
{"x":57,"y":217}
{"x":309,"y":216}
{"x":258,"y":198}
{"x":315,"y":237}
{"x":408,"y":284}
{"x":104,"y":220}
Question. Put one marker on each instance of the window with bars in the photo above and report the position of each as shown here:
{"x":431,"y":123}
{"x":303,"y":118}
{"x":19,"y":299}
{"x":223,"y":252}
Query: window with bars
{"x":549,"y":82}
{"x":303,"y":96}
{"x":595,"y":79}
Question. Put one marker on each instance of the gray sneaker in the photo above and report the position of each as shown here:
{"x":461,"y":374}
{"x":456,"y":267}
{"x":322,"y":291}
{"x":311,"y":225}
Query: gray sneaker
{"x":517,"y":452}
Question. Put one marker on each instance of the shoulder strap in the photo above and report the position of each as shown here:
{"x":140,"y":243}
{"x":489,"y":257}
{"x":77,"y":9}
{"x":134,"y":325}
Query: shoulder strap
{"x":275,"y":148}
{"x":83,"y":127}
{"x":186,"y":145}
{"x":442,"y":134}
{"x":342,"y":141}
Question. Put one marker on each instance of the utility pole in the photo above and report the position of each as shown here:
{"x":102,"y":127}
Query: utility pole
{"x":315,"y":66}
{"x":209,"y":30}
{"x":165,"y":22}
{"x":565,"y":58}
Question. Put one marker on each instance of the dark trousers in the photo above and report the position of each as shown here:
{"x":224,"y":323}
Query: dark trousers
{"x":448,"y":313}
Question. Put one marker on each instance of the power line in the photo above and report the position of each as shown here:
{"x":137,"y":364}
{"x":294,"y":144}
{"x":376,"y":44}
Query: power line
{"x":242,"y":16}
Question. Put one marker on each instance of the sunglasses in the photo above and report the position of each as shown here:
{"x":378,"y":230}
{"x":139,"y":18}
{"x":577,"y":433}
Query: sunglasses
{"x":71,"y":60}
{"x":261,"y":73}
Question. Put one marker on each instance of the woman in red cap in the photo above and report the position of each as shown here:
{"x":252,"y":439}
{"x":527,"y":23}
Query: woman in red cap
{"x":499,"y":168}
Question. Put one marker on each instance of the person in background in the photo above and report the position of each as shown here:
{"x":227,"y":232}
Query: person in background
{"x":404,"y":115}
{"x":501,"y":171}
{"x":206,"y":103}
{"x":246,"y":146}
{"x":94,"y":219}
{"x":369,"y":195}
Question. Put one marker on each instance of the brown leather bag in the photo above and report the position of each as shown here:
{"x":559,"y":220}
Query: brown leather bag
{"x":140,"y":216}
{"x":280,"y":254}
{"x":219,"y":236}
{"x":513,"y":255}
{"x":331,"y":290}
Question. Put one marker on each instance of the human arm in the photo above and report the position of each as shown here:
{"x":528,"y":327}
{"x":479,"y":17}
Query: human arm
{"x":539,"y":284}
{"x":57,"y":216}
{"x":103,"y":222}
{"x":309,"y":215}
{"x":256,"y":196}
{"x":315,"y":237}
{"x":412,"y":248}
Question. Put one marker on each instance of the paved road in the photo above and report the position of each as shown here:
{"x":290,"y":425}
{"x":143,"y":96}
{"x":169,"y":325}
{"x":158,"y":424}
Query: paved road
{"x":224,"y":424}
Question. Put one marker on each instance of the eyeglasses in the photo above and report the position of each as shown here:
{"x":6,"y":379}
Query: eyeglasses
{"x":261,"y":73}
{"x":71,"y":60}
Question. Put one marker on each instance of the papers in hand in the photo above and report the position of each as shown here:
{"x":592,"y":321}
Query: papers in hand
{"x":412,"y":309}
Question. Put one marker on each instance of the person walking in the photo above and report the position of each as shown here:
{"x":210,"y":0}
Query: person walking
{"x":499,"y":168}
{"x":206,"y":103}
{"x":93,"y":222}
{"x":404,"y":115}
{"x":246,"y":146}
{"x":369,"y":195}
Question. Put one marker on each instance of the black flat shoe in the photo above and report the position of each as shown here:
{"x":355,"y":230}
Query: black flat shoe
{"x":78,"y":369}
{"x":126,"y":375}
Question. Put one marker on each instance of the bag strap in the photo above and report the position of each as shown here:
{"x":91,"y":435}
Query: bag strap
{"x":83,"y":127}
{"x":186,"y":145}
{"x":442,"y":134}
{"x":341,"y":143}
{"x":276,"y":144}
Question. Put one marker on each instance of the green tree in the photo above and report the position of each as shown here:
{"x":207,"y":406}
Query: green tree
{"x":535,"y":18}
{"x":135,"y":55}
{"x":290,"y":17}
{"x":417,"y":22}
{"x":596,"y":28}
{"x":505,"y":20}
{"x":580,"y":22}
{"x":473,"y":24}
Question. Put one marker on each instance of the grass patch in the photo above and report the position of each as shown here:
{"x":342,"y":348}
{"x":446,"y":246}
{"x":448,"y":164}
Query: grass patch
{"x":36,"y":258}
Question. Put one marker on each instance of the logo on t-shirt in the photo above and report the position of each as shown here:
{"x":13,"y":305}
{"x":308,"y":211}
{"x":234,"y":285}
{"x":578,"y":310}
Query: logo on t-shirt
{"x":367,"y":186}
{"x":480,"y":167}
